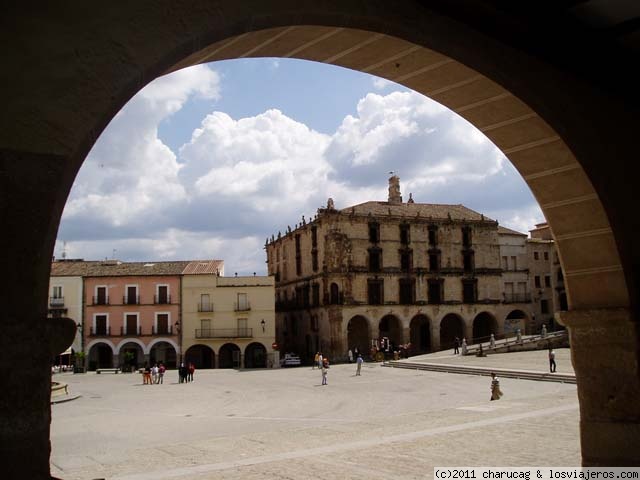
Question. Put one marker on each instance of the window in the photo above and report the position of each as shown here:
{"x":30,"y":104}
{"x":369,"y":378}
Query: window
{"x":205,"y":329}
{"x":469,"y":290}
{"x":536,"y":255}
{"x":405,"y":261}
{"x":404,"y":234}
{"x":101,"y":324}
{"x":466,"y":237}
{"x":435,"y":291}
{"x":314,"y":323}
{"x":433,"y":235}
{"x":314,"y":237}
{"x":434,"y":261}
{"x":205,"y":304}
{"x":162,"y":324}
{"x":547,"y":281}
{"x":536,"y":281}
{"x":375,"y":263}
{"x":335,"y":294}
{"x":57,"y":299}
{"x":305,"y":296}
{"x":467,"y":261}
{"x":374,"y":232}
{"x":514,"y":263}
{"x":243,"y":302}
{"x":314,"y":260}
{"x":407,"y":291}
{"x":375,"y":292}
{"x":130,"y":324}
{"x":162,"y":294}
{"x":315,"y":292}
{"x":546,"y":255}
{"x":298,"y":256}
{"x":101,"y":297}
{"x":131,"y":297}
{"x":243,"y":331}
{"x":544,"y":306}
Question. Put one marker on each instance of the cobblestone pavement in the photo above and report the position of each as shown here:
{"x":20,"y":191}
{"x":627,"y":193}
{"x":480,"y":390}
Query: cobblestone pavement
{"x":283,"y":424}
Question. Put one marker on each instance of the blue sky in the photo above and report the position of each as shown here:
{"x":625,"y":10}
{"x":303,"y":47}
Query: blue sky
{"x":210,"y":161}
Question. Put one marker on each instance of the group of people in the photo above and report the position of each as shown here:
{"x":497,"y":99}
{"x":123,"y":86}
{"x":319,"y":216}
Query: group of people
{"x":322,"y":363}
{"x":153,"y":375}
{"x":185,"y":372}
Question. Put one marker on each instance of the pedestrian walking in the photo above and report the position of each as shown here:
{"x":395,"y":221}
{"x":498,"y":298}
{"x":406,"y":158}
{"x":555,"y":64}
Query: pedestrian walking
{"x":182,"y":373}
{"x":359,"y":362}
{"x":350,"y":354}
{"x":320,"y":360}
{"x":161,"y":370}
{"x":496,"y":393}
{"x":146,"y":376}
{"x":154,"y":373}
{"x":492,"y":341}
{"x":316,"y":361}
{"x":325,"y":369}
{"x":552,"y":361}
{"x":456,"y":345}
{"x":192,"y":369}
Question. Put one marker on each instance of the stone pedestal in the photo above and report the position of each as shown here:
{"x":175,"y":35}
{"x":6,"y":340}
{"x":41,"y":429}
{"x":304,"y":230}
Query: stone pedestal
{"x":605,"y":355}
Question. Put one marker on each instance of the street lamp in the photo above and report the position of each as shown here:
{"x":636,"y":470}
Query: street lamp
{"x":263,"y":323}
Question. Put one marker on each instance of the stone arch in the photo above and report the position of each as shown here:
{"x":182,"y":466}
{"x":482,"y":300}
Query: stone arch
{"x":114,"y":350}
{"x":484,"y":324}
{"x":202,"y":356}
{"x":137,"y":341}
{"x":229,"y":356}
{"x":255,"y":356}
{"x":100,"y":354}
{"x":133,"y":347}
{"x":450,"y":56}
{"x":451,"y":326}
{"x":420,"y":334}
{"x":391,"y":326}
{"x":358,"y":334}
{"x":516,"y":319}
{"x":163,"y":351}
{"x":167,"y":340}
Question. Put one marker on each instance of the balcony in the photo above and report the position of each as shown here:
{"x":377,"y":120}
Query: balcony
{"x":224,"y":333}
{"x":131,"y":331}
{"x":517,"y":297}
{"x":162,"y":330}
{"x":100,"y":300}
{"x":205,"y":307}
{"x":100,"y":332}
{"x":131,"y":300}
{"x":242,"y":307}
{"x":162,"y":299}
{"x":56,"y":301}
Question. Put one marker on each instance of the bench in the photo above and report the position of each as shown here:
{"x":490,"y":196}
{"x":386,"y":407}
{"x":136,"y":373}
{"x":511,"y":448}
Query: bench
{"x":108,"y":370}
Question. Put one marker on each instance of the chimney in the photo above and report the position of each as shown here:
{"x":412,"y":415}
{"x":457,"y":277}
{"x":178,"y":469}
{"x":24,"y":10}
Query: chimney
{"x":394,"y":190}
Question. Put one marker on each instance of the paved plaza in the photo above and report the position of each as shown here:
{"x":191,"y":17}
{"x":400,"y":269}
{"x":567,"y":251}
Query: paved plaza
{"x":283,"y":424}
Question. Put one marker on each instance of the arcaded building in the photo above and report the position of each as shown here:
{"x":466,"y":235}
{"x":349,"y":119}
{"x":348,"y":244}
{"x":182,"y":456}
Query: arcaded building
{"x":412,"y":272}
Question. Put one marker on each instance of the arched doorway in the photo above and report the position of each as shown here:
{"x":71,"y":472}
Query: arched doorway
{"x":131,"y":356}
{"x":229,"y":356}
{"x":390,"y":326}
{"x":483,"y":326}
{"x":100,"y":356}
{"x":420,"y":332}
{"x":516,"y":319}
{"x":255,"y":356}
{"x":451,"y":326}
{"x":163,"y":352}
{"x":528,"y":115}
{"x":202,"y":356}
{"x":358,"y":334}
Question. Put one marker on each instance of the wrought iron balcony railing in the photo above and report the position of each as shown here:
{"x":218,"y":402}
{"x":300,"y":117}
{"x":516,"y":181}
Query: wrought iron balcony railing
{"x":224,"y":333}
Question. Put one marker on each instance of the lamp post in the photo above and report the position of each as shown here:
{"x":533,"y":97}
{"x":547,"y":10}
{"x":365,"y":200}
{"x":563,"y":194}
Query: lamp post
{"x":178,"y":332}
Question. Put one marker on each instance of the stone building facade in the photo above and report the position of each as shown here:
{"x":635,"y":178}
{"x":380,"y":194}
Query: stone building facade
{"x":412,"y":272}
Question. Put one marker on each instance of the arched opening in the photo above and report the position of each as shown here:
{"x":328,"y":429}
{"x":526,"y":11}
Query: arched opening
{"x":516,"y":319}
{"x":358,"y":335}
{"x":483,"y":326}
{"x":100,"y":356}
{"x":202,"y":356}
{"x":229,"y":356}
{"x":255,"y":356}
{"x":163,"y":352}
{"x":131,"y":356}
{"x":451,"y":326}
{"x":420,"y":330}
{"x":588,"y":211}
{"x":390,"y":326}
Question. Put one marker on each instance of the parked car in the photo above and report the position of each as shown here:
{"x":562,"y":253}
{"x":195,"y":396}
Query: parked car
{"x":290,"y":360}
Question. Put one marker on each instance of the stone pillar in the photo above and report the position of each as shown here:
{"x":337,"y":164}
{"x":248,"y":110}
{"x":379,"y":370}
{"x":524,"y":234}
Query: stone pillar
{"x":116,"y":360}
{"x":605,"y":355}
{"x":435,"y":336}
{"x":468,"y":331}
{"x":406,"y":334}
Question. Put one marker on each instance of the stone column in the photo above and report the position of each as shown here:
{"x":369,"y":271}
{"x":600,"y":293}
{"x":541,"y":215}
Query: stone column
{"x":116,"y":360}
{"x":435,"y":336}
{"x":468,"y":331}
{"x":605,"y":355}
